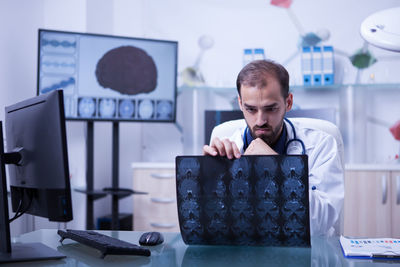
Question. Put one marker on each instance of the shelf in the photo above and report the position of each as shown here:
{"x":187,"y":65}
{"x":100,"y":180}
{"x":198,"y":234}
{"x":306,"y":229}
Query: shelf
{"x":227,"y":92}
{"x":153,"y":165}
{"x":119,"y":192}
{"x":373,"y":86}
{"x":96,"y":194}
{"x":373,"y":167}
{"x":207,"y":88}
{"x":232,"y":90}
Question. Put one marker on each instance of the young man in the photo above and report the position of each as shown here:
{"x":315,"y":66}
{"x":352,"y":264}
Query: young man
{"x":264,"y":98}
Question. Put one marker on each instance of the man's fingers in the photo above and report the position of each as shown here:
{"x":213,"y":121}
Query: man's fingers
{"x":208,"y":150}
{"x":228,"y":148}
{"x":236,"y":151}
{"x":216,"y":143}
{"x":223,"y":147}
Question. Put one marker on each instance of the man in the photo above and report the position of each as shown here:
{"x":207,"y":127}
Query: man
{"x":264,"y":98}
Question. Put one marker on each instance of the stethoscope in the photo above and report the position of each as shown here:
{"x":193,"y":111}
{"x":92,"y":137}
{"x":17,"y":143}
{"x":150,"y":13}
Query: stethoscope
{"x":295,"y":139}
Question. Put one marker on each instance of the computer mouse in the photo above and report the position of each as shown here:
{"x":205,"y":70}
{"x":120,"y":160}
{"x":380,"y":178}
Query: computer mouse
{"x":151,"y":239}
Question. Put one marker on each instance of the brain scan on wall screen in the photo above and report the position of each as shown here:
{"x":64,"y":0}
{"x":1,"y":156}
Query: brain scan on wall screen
{"x":128,"y":70}
{"x":107,"y":108}
{"x":146,"y":109}
{"x":164,"y":109}
{"x":87,"y":107}
{"x":126,"y":108}
{"x":107,"y":77}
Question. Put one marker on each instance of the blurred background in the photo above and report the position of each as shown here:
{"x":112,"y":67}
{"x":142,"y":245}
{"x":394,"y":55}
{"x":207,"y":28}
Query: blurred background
{"x":215,"y":39}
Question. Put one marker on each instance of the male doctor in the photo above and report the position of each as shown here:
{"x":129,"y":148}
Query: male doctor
{"x":264,"y":98}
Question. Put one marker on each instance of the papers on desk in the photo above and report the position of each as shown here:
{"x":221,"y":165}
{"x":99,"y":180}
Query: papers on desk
{"x":387,"y":248}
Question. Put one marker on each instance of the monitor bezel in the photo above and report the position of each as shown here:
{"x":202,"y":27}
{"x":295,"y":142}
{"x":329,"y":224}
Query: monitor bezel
{"x":172,"y":120}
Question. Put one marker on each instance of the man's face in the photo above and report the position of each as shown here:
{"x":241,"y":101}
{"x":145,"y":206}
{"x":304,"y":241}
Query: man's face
{"x":264,"y":109}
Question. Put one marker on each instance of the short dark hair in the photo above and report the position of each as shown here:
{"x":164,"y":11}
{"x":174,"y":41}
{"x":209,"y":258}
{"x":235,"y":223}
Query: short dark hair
{"x":253,"y":74}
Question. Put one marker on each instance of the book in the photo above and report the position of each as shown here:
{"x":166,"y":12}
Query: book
{"x":328,"y":65}
{"x":316,"y":56}
{"x":387,"y":248}
{"x":306,"y":65}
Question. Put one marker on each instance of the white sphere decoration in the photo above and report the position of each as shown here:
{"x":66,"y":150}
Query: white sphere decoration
{"x":324,"y":34}
{"x":206,"y":42}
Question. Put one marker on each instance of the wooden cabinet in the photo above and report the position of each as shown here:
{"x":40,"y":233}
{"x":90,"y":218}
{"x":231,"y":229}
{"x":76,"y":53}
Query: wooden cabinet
{"x":156,"y":211}
{"x":395,"y":204}
{"x":372,"y":202}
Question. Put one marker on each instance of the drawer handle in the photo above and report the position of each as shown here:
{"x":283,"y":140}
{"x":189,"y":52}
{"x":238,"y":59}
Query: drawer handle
{"x":384,"y":189}
{"x":163,"y":175}
{"x":163,"y":225}
{"x":162,"y":200}
{"x":398,"y":189}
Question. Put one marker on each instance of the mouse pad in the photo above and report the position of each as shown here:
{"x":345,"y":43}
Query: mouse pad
{"x":254,"y":200}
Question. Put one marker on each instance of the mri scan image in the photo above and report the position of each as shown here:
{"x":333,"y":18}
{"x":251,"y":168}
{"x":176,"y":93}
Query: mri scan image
{"x":252,"y":201}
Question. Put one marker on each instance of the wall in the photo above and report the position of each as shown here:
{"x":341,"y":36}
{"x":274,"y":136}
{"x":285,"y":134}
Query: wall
{"x":233,"y":24}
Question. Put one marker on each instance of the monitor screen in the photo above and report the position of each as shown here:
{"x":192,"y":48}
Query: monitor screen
{"x":39,"y":182}
{"x":107,"y":77}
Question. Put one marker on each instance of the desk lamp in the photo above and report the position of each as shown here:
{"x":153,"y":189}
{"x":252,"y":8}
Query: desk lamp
{"x":382,"y":29}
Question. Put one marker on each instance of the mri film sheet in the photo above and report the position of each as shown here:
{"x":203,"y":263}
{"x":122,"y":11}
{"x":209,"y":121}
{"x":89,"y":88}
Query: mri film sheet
{"x":254,"y":200}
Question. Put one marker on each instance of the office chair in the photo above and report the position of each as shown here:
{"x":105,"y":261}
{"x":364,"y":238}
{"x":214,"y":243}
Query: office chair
{"x":327,"y":114}
{"x":323,"y":125}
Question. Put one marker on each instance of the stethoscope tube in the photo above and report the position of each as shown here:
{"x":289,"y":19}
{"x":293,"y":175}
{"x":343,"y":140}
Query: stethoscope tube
{"x":295,"y":139}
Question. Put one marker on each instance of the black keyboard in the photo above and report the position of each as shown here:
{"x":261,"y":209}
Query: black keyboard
{"x":104,"y":243}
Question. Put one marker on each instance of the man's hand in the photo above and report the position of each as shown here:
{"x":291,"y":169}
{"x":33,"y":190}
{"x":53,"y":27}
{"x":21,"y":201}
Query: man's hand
{"x":259,"y":147}
{"x":223,"y":147}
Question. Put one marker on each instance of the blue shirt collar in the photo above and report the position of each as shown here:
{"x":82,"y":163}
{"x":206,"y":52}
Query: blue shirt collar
{"x":279,"y":146}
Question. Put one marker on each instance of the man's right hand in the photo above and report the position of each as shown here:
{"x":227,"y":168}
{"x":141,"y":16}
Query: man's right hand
{"x":223,"y":147}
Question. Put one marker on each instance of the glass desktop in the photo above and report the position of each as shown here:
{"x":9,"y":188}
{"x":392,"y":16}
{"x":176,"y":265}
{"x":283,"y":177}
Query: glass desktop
{"x":174,"y":252}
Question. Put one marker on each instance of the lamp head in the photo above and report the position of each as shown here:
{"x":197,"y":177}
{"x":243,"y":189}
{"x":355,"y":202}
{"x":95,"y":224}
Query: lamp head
{"x":382,"y":29}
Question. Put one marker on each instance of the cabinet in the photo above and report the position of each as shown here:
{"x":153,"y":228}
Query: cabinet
{"x":395,"y":200}
{"x":372,"y":201}
{"x":157,"y":210}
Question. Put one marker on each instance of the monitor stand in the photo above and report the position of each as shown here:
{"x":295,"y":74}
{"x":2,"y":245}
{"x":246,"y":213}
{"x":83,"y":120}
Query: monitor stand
{"x":29,"y":252}
{"x":16,"y":252}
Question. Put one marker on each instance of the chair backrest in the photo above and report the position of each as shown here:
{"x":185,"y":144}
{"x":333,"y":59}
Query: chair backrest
{"x":326,"y":127}
{"x":327,"y":114}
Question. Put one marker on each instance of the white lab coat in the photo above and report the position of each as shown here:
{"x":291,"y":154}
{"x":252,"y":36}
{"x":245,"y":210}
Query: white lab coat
{"x":325,"y":170}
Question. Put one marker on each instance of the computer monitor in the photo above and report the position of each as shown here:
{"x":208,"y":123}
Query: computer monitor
{"x":109,"y":78}
{"x":213,"y":118}
{"x":38,"y":170}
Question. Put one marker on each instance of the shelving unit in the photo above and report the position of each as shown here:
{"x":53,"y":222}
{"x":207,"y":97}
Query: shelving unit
{"x":115,"y":191}
{"x":358,"y":112}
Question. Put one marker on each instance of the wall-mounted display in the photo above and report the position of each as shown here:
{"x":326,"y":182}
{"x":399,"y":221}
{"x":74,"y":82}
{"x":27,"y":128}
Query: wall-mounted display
{"x":107,"y":77}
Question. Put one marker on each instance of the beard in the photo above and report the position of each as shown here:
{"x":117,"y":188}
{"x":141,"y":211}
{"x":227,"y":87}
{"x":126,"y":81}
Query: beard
{"x":271,"y":136}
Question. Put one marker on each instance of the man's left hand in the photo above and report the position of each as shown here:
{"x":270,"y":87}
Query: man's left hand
{"x":259,"y":147}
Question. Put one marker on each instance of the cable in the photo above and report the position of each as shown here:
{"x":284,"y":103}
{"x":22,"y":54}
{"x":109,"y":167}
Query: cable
{"x":17,"y":211}
{"x":17,"y":215}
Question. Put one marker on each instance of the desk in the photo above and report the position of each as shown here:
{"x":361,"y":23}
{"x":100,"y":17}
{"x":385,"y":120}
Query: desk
{"x":173,"y":252}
